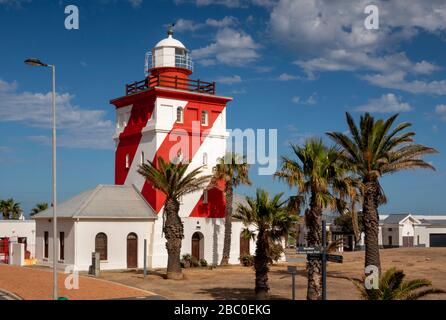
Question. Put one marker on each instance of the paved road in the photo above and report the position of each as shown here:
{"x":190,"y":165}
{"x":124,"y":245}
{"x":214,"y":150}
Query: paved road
{"x":36,"y":284}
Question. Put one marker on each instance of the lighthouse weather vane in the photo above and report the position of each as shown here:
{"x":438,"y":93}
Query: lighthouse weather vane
{"x":170,"y":29}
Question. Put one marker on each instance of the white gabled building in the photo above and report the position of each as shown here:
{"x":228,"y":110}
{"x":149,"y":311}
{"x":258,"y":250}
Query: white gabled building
{"x":112,"y":220}
{"x":407,"y":230}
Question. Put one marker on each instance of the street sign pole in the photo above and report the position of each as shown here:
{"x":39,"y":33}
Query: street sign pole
{"x":324,"y":260}
{"x":145,"y":258}
{"x":293,"y":271}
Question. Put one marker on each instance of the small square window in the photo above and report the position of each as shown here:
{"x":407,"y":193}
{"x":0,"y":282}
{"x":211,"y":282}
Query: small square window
{"x":204,"y":118}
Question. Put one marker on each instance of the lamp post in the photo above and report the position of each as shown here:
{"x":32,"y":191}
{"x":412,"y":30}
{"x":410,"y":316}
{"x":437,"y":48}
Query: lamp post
{"x":37,"y":63}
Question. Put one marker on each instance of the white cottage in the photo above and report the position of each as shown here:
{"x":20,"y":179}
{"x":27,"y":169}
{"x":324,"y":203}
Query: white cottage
{"x":109,"y":219}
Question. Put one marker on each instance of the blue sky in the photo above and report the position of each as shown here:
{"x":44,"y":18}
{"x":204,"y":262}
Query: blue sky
{"x":292,"y":65}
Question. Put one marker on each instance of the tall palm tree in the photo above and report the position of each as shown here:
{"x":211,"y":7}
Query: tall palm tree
{"x":172,"y":179}
{"x":234,"y":171}
{"x":372,"y":150}
{"x":39,"y":208}
{"x":10,"y":209}
{"x":393,"y":287}
{"x":316,"y":172}
{"x":271,"y":222}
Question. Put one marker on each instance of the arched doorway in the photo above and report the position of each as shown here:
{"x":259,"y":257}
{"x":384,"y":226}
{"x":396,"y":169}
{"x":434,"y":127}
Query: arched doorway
{"x":198,"y":245}
{"x":244,"y":245}
{"x":132,"y":250}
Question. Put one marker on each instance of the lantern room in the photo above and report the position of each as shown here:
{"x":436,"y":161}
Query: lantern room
{"x":168,"y":53}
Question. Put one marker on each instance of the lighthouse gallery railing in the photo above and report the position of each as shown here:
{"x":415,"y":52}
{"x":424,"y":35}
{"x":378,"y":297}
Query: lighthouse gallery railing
{"x":170,"y":82}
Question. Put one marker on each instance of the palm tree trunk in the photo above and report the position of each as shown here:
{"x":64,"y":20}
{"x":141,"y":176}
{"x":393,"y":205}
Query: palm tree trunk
{"x":371,"y":224}
{"x":174,"y":233}
{"x":261,"y":266}
{"x":228,"y":224}
{"x":355,"y":225}
{"x":314,"y":235}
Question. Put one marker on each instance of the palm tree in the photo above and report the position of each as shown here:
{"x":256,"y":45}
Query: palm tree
{"x":39,"y":208}
{"x":172,"y":179}
{"x":393,"y":287}
{"x":10,"y":209}
{"x":375,"y":149}
{"x":271,"y":222}
{"x":233,"y":170}
{"x":317,"y":173}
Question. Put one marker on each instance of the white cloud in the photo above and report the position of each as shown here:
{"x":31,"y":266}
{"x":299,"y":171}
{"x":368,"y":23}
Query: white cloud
{"x":440,"y":110}
{"x":230,"y":79}
{"x":287,"y":77}
{"x":387,"y":103}
{"x":78,"y":127}
{"x":330,"y":36}
{"x":184,"y":25}
{"x":311,"y":100}
{"x":398,"y":80}
{"x":231,"y":47}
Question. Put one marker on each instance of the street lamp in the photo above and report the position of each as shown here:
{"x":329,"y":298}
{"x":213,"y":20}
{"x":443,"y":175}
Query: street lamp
{"x":37,"y":63}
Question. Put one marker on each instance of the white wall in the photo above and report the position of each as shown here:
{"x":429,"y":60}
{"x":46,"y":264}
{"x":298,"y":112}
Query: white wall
{"x":63,"y":225}
{"x":14,"y":229}
{"x":213,"y":232}
{"x":424,"y":233}
{"x":117,"y":232}
{"x":385,"y":233}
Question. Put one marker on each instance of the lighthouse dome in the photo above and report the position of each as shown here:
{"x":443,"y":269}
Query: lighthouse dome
{"x":169,"y":53}
{"x":170,"y":42}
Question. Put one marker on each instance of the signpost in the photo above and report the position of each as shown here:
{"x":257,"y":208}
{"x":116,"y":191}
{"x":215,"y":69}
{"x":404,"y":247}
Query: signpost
{"x":293,"y":271}
{"x":320,"y":253}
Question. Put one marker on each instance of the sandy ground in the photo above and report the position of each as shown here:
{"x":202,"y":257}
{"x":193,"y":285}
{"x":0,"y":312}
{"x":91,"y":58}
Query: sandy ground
{"x":237,"y":282}
{"x":36,"y":284}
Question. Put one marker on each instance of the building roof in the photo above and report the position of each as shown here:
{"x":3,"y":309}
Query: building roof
{"x":104,"y":201}
{"x":397,"y":218}
{"x":170,"y":42}
{"x":394,"y":218}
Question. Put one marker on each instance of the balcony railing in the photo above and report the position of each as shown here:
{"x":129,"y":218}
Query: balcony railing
{"x":181,"y":61}
{"x":170,"y":82}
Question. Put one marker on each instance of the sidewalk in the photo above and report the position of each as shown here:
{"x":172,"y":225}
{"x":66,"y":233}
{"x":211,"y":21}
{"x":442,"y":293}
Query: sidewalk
{"x":36,"y":284}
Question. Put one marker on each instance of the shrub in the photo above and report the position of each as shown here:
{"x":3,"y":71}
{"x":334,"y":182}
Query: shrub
{"x":194,"y":262}
{"x":203,"y":263}
{"x":247,"y":260}
{"x":275,"y":252}
{"x":186,"y":261}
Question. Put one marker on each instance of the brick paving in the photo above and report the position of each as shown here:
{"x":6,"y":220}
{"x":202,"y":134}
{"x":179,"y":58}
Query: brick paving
{"x":36,"y":284}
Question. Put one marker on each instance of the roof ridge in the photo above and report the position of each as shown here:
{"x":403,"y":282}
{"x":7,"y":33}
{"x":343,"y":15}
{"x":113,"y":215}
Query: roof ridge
{"x":88,"y":200}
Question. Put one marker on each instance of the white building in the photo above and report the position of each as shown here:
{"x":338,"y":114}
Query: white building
{"x":407,"y":230}
{"x":114,"y":221}
{"x":111,"y":220}
{"x":395,"y":230}
{"x":18,"y":231}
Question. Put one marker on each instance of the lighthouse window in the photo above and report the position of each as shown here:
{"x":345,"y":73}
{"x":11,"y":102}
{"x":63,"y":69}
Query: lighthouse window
{"x":127,"y":161}
{"x":205,"y":159}
{"x":180,"y":115}
{"x":204,"y":118}
{"x":142,"y":157}
{"x":205,"y":196}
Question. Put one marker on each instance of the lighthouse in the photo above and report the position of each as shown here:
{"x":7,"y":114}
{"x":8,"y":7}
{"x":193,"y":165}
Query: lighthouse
{"x":169,"y":114}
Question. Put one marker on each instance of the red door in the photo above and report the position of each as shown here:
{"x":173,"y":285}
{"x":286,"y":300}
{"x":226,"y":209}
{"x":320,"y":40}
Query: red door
{"x":244,"y":246}
{"x":132,"y":251}
{"x":407,"y":241}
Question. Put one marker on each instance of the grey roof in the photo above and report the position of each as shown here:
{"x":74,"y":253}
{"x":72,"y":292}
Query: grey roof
{"x":104,"y":201}
{"x":395,"y":218}
{"x":434,"y":222}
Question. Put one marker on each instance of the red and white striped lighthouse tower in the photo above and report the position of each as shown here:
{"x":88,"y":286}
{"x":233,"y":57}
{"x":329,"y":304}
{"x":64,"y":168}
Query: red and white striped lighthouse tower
{"x":165,"y":115}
